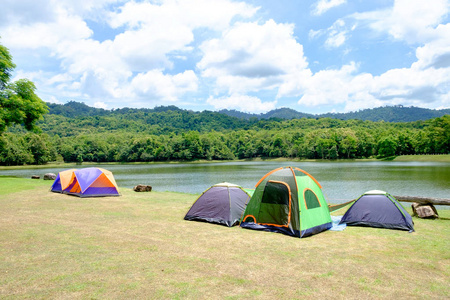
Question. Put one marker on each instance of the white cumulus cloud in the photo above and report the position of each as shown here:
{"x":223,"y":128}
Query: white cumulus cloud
{"x":228,"y":54}
{"x":131,"y":63}
{"x":156,"y":85}
{"x":406,"y":86}
{"x":100,"y":104}
{"x":412,"y":21}
{"x":242,"y":103}
{"x":424,"y":83}
{"x":323,"y":6}
{"x":336,"y":35}
{"x":251,"y":57}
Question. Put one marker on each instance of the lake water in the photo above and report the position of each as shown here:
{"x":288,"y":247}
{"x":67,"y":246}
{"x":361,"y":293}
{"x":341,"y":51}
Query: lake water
{"x":341,"y":181}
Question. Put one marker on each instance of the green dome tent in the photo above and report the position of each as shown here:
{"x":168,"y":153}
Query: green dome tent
{"x":288,"y":200}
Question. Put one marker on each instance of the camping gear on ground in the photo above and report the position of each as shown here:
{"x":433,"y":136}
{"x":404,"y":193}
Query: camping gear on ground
{"x":222,"y":203}
{"x":378,"y":209}
{"x":336,"y":225}
{"x":288,"y":200}
{"x":88,"y":182}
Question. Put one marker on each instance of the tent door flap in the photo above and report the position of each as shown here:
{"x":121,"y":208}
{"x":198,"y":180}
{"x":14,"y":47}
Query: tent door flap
{"x":275,"y":208}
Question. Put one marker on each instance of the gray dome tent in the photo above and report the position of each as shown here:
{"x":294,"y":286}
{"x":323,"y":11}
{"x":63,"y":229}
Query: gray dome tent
{"x":222,"y":203}
{"x":378,"y":209}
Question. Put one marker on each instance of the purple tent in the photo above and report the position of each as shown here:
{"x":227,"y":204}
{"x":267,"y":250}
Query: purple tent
{"x":222,"y":203}
{"x":88,"y":182}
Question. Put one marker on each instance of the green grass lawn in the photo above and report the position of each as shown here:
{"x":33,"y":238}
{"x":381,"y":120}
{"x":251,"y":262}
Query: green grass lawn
{"x":138,"y":246}
{"x":10,"y":185}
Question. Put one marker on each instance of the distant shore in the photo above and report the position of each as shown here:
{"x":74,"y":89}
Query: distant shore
{"x":402,"y":158}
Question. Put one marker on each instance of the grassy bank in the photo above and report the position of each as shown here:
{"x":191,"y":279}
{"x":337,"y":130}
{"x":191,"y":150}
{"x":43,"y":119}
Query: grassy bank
{"x":9,"y":185}
{"x":429,"y":158}
{"x":139,"y":246}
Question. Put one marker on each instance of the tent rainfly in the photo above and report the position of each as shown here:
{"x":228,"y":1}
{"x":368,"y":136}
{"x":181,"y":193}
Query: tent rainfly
{"x":222,"y":203}
{"x":378,"y":209}
{"x":88,"y":182}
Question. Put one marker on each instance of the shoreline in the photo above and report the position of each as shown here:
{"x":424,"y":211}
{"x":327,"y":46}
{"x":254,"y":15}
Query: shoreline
{"x":28,"y":183}
{"x":402,"y":158}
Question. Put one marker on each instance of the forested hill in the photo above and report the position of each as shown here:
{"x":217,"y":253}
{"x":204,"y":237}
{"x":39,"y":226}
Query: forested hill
{"x":280,"y":113}
{"x":75,"y":132}
{"x":391,"y":114}
{"x":75,"y":118}
{"x":387,"y":114}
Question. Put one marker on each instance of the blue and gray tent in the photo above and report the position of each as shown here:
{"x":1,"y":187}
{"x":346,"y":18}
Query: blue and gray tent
{"x":378,"y":209}
{"x":223,"y":203}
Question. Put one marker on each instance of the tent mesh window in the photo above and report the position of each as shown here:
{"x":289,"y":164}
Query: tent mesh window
{"x":274,"y":208}
{"x":311,"y":200}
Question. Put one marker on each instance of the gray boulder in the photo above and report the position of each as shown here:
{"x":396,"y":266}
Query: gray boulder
{"x":424,"y":210}
{"x":49,"y":176}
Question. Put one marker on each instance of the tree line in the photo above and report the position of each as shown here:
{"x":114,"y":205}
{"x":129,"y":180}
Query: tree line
{"x":298,"y":139}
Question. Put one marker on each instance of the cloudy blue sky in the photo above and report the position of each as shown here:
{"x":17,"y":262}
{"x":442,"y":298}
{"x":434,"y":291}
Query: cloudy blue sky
{"x":253,"y":56}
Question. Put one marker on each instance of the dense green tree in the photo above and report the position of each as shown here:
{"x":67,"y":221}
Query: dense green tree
{"x":387,"y":146}
{"x":349,"y":143}
{"x":41,"y":148}
{"x":6,"y":67}
{"x":404,"y":143}
{"x":18,"y":102}
{"x":14,"y":150}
